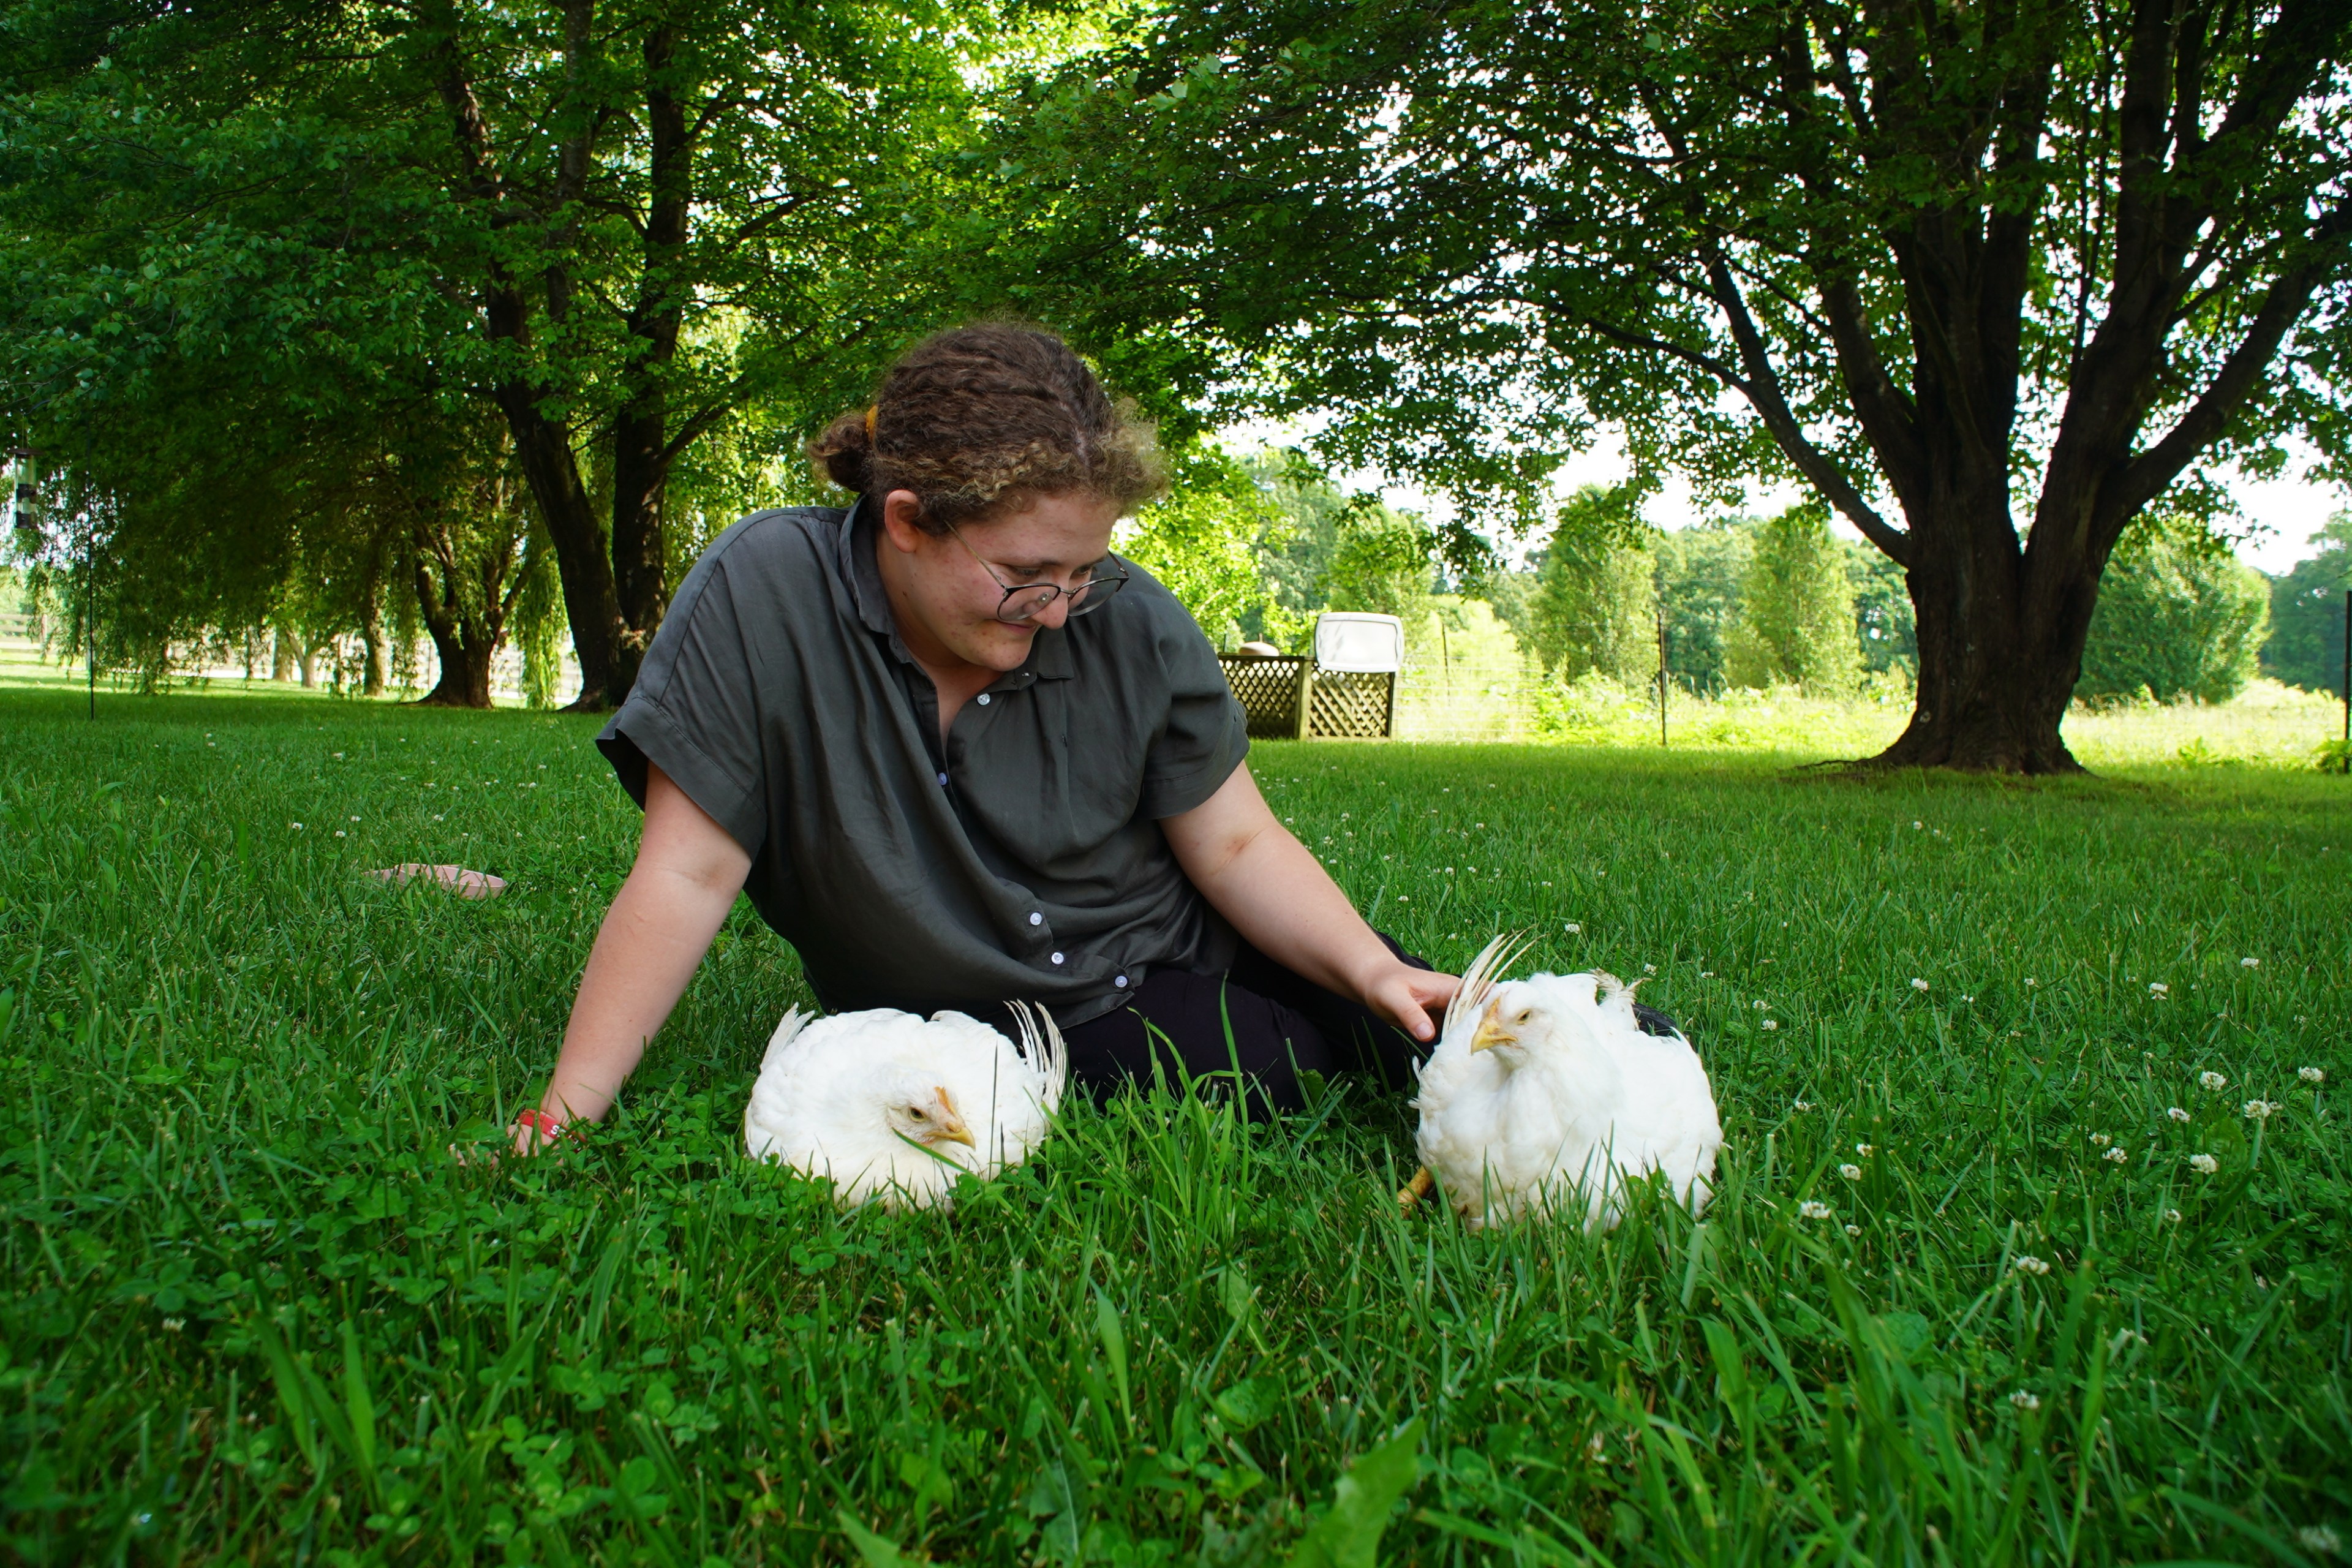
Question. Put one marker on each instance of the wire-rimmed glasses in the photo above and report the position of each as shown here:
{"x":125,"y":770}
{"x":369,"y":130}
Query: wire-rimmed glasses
{"x":1026,"y":601}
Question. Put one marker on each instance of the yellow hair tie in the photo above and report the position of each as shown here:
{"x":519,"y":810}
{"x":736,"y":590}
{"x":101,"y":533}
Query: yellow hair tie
{"x":871,"y":410}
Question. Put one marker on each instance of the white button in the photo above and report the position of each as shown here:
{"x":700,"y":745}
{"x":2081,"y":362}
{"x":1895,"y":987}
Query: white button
{"x":1120,"y":982}
{"x":983,"y":699}
{"x":1058,"y":958}
{"x":1035,"y":919}
{"x":943,"y":781}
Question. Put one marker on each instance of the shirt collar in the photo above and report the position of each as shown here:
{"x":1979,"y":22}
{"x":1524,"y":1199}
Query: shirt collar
{"x":1049,"y":650}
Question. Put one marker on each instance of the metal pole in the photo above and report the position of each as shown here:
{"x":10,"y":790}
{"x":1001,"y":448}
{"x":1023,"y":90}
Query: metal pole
{"x":1662,"y":675}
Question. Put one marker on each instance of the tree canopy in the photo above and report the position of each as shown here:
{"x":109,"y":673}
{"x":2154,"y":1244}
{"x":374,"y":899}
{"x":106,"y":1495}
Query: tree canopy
{"x":1989,"y":279}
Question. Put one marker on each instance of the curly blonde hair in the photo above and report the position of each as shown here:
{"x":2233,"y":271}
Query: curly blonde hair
{"x":980,"y":417}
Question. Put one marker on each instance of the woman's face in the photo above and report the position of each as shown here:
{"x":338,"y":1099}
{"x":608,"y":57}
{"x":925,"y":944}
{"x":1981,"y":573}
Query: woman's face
{"x":942,"y":594}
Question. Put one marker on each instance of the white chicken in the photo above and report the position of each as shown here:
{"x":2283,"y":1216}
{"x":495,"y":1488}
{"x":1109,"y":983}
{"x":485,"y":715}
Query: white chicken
{"x":1547,"y":1094}
{"x":892,"y":1108}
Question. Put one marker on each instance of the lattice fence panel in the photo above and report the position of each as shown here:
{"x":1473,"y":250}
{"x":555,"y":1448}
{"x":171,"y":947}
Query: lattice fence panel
{"x":1350,"y":705}
{"x":1268,"y":692}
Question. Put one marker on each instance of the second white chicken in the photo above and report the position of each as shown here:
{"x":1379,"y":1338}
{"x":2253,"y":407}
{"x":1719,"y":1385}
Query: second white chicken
{"x":1548,"y":1095}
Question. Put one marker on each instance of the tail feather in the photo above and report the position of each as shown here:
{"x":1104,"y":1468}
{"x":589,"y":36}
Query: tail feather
{"x":1042,"y":1049}
{"x":787,"y":1030}
{"x":1478,"y":980}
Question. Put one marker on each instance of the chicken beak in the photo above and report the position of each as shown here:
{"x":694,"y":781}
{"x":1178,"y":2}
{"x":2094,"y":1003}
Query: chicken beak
{"x":1490,"y":1033}
{"x":950,"y":1127}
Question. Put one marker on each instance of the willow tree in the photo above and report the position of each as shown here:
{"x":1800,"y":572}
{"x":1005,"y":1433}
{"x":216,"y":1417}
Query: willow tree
{"x":1989,"y":278}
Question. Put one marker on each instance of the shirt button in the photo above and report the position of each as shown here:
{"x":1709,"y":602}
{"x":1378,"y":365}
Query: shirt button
{"x":1120,"y":982}
{"x":1035,"y":919}
{"x":983,"y":699}
{"x":1058,"y":958}
{"x":943,"y":781}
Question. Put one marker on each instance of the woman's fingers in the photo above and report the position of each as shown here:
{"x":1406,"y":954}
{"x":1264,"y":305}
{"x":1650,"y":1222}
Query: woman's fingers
{"x":1413,"y":999}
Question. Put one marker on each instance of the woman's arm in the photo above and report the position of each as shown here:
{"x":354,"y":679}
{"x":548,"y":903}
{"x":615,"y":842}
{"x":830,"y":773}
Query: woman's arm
{"x":687,"y":872}
{"x":1279,"y":897}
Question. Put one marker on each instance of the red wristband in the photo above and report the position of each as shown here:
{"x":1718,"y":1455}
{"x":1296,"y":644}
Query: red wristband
{"x":545,"y":1124}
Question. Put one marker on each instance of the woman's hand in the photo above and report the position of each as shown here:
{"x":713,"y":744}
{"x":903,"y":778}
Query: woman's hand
{"x":687,"y":872}
{"x":1279,"y":897}
{"x":1413,"y":999}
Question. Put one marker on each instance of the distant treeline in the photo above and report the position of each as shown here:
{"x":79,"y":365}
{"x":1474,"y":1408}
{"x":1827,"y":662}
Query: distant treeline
{"x":1258,"y":545}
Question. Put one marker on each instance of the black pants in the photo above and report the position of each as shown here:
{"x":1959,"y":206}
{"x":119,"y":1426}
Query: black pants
{"x":1257,"y":1019}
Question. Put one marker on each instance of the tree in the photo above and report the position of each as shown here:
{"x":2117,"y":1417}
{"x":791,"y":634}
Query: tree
{"x":2181,"y":617}
{"x":2306,"y":647}
{"x":1594,"y":601}
{"x":1929,"y":258}
{"x":1203,"y":542}
{"x":1385,"y":563}
{"x":615,"y":226}
{"x":1699,"y":572}
{"x":1796,"y":621}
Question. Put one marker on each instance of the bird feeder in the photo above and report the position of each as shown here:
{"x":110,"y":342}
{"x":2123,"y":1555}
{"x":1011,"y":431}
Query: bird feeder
{"x":1345,"y":690}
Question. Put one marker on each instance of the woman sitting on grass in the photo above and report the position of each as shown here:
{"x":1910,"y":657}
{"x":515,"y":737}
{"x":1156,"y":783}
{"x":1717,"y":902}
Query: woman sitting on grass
{"x":957,"y":753}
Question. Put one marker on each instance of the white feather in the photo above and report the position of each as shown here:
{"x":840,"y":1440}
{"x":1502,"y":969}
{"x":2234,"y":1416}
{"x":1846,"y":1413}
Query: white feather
{"x":833,"y":1094}
{"x":1584,"y":1103}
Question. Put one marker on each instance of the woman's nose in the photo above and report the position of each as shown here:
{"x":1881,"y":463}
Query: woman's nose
{"x":1055,"y":614}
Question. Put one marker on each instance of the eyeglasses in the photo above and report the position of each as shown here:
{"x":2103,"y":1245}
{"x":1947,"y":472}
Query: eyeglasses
{"x":1027,"y":601}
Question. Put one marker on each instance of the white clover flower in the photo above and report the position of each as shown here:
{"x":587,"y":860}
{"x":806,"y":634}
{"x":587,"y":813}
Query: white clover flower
{"x":339,"y":833}
{"x":1649,"y":969}
{"x":1771,"y":1023}
{"x":2030,"y":1264}
{"x":2311,"y":1075}
{"x":1760,"y":1004}
{"x":1853,"y":1230}
{"x":2321,"y":1539}
{"x":295,"y":826}
{"x":1573,"y":929}
{"x":2259,"y":1109}
{"x":2158,"y":988}
{"x":1851,"y":1172}
{"x":2172,"y":1217}
{"x":1805,"y":1105}
{"x":2100,"y":1140}
{"x":1919,"y":984}
{"x":2212,"y":1080}
{"x":2024,"y":1401}
{"x":2116,"y":1156}
{"x":1809,"y":1209}
{"x":2203,"y":1164}
{"x":2176,"y":1113}
{"x":2249,"y":963}
{"x":1917,"y":825}
{"x":1864,"y":1150}
{"x":2031,"y":981}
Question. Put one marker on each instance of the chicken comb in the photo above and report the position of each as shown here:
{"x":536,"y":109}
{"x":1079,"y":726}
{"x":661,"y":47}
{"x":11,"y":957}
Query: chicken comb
{"x":1478,"y":980}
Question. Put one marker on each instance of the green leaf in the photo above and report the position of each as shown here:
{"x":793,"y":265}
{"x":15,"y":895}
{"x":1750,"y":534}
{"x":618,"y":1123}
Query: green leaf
{"x":877,"y":1551}
{"x":1350,"y":1535}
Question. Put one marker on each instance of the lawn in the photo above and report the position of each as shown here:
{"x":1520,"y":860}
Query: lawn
{"x":253,"y":1309}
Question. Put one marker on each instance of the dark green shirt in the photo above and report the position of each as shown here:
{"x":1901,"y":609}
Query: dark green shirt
{"x":1022,"y":859}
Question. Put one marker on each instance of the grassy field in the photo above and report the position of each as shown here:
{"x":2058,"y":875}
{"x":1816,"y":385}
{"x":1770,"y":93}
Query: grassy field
{"x":1963,"y":1297}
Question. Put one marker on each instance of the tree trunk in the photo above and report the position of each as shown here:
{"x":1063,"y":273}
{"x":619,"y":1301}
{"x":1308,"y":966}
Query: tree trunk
{"x":372,"y":632}
{"x":281,"y":655}
{"x":641,"y":454}
{"x":309,"y":659}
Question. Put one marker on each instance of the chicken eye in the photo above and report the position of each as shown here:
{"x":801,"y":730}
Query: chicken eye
{"x":917,"y":1112}
{"x":1526,"y":1015}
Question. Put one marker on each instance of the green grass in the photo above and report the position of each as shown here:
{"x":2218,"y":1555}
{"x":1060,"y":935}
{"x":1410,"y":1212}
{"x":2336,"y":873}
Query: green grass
{"x":254,"y":1310}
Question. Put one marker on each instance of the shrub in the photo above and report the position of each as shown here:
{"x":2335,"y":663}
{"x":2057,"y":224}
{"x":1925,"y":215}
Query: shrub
{"x":2179,"y":616}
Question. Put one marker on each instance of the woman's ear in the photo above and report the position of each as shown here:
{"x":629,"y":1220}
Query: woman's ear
{"x":902,"y":514}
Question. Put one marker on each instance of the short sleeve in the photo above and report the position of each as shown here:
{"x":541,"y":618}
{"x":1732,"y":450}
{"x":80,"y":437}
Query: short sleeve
{"x":694,"y":711}
{"x":1206,"y":734}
